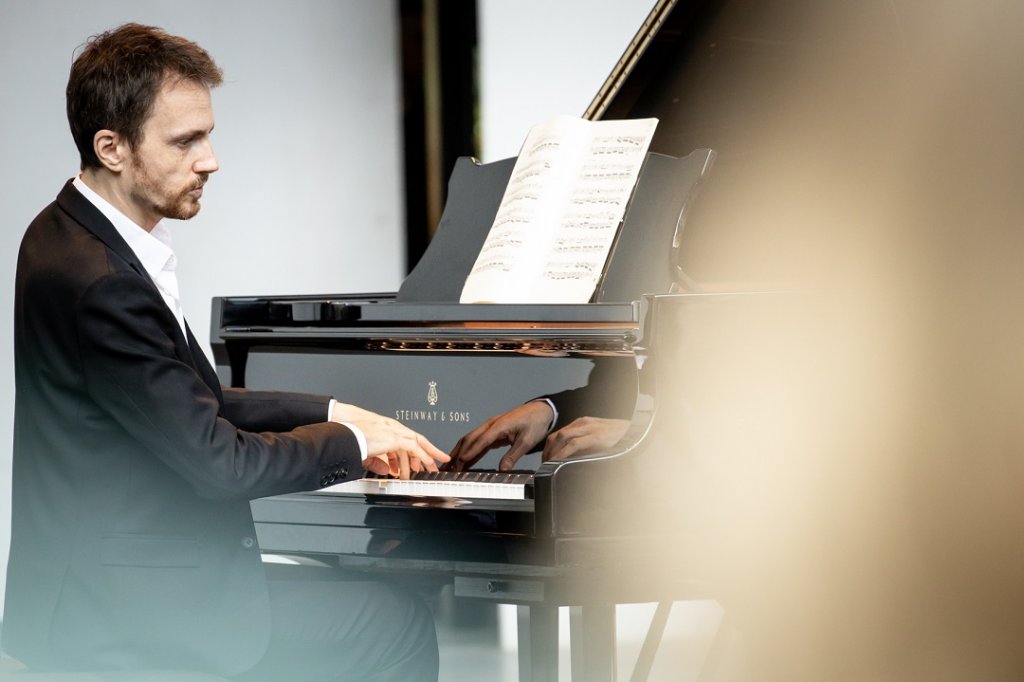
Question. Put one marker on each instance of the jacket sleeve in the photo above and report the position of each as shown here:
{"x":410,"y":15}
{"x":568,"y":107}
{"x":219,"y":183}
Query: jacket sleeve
{"x":133,"y":374}
{"x":610,"y":392}
{"x":272,"y":410}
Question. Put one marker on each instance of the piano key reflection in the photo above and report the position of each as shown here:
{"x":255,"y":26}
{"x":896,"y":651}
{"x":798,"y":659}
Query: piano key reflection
{"x":488,"y":485}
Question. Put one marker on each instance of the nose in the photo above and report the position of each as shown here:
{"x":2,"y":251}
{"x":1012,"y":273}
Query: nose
{"x":207,"y":161}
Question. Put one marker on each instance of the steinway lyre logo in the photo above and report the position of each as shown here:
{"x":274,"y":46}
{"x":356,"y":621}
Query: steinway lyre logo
{"x":423,"y":415}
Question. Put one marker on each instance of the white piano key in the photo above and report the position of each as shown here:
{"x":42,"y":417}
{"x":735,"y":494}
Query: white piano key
{"x":391,"y":486}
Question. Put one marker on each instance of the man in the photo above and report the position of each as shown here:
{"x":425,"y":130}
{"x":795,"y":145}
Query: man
{"x":132,"y":541}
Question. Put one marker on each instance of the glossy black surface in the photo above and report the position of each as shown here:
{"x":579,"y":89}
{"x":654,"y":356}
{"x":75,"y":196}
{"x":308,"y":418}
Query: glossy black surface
{"x":621,"y":503}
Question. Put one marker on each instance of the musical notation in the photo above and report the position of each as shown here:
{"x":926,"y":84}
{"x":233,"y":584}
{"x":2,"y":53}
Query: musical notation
{"x":573,"y":270}
{"x":579,"y":245}
{"x":566,"y":196}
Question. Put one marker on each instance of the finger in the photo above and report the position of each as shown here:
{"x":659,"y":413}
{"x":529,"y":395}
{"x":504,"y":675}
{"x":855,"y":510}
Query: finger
{"x":420,"y":444}
{"x":572,"y":445}
{"x":393,"y":465}
{"x":454,"y":463}
{"x":462,"y":454}
{"x":430,"y":450}
{"x":476,"y":448}
{"x":424,"y":455}
{"x":471,"y":456}
{"x":565,"y":449}
{"x":467,"y":458}
{"x":555,"y":445}
{"x":514,"y":454}
{"x":427,"y":463}
{"x":403,"y":464}
{"x":422,"y":461}
{"x":416,"y":464}
{"x":377,"y":465}
{"x":466,"y":451}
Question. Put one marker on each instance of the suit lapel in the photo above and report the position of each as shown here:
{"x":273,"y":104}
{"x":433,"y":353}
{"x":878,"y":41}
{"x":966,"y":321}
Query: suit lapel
{"x":202,"y":365}
{"x":92,"y":219}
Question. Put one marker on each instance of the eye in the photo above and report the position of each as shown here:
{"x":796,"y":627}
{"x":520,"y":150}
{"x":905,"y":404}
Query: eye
{"x":186,"y":141}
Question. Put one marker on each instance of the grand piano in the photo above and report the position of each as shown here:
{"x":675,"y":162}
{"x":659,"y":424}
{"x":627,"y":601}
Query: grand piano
{"x":613,"y":527}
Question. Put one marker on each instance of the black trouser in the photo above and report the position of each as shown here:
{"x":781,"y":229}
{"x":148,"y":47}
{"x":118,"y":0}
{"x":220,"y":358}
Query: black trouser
{"x":334,"y":630}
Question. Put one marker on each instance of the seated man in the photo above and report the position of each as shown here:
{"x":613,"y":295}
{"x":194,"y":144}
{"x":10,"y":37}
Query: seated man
{"x":132,"y":544}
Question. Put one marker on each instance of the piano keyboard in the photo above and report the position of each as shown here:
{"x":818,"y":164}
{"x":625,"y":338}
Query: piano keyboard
{"x":492,"y":485}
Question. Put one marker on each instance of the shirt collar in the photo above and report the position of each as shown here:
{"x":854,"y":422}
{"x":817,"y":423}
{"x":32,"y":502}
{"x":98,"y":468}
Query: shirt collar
{"x":153,"y":249}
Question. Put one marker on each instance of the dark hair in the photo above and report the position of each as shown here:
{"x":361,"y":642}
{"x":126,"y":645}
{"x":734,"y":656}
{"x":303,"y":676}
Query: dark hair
{"x":116,"y":78}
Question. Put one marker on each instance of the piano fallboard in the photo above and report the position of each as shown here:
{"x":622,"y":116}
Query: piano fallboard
{"x":345,"y":310}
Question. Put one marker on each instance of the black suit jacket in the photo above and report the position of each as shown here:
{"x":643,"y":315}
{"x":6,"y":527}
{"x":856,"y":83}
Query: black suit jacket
{"x":610,"y":392}
{"x":132,"y":540}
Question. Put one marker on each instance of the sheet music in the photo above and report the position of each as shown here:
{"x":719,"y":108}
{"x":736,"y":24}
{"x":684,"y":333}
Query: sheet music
{"x":560,"y":212}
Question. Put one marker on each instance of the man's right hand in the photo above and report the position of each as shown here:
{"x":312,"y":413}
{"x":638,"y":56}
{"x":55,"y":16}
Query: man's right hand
{"x":392,"y":448}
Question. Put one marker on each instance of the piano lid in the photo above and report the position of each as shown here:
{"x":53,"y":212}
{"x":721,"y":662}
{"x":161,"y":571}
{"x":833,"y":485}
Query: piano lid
{"x":716,"y":72}
{"x":786,"y":93}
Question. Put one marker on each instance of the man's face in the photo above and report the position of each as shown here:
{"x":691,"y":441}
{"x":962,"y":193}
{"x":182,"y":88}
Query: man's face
{"x":169,"y":166}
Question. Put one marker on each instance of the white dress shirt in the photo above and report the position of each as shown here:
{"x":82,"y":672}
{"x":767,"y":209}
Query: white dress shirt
{"x":153,"y":249}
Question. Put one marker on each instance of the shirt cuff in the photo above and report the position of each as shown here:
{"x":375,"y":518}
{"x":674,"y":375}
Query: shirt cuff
{"x":356,"y":431}
{"x":554,"y":411}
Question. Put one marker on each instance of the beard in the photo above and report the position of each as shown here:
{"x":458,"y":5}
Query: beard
{"x":168,"y":202}
{"x":183,"y":205}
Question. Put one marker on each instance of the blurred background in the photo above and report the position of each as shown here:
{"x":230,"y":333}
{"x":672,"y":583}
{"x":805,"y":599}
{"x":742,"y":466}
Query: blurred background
{"x":856,"y":465}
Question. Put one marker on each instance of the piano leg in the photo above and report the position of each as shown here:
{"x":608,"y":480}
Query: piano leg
{"x":651,"y":642}
{"x":538,"y":643}
{"x":592,"y":642}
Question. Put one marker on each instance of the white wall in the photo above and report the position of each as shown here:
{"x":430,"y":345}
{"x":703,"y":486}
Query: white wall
{"x":309,"y":195}
{"x":540,"y":59}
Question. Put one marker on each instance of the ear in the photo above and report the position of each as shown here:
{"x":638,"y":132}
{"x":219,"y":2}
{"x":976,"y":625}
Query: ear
{"x":111,"y":149}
